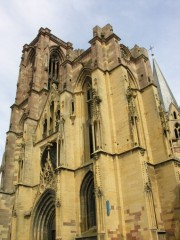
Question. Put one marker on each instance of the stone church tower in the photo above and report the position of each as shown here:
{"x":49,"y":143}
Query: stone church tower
{"x":91,"y":152}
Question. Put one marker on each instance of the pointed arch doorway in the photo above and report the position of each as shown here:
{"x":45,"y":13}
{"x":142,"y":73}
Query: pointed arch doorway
{"x":44,"y":224}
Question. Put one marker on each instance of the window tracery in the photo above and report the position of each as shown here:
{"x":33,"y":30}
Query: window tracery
{"x":133,"y":114}
{"x":93,"y":117}
{"x":125,"y":54}
{"x":89,"y":114}
{"x":49,"y":154}
{"x":54,"y":65}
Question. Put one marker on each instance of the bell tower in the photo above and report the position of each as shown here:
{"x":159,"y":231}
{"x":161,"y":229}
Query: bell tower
{"x":91,"y":153}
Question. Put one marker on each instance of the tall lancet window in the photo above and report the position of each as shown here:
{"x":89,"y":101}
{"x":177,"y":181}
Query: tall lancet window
{"x":53,"y":69}
{"x":31,"y":67}
{"x":45,"y":128}
{"x":89,"y":113}
{"x":51,"y":121}
{"x":58,"y":115}
{"x":175,"y":115}
{"x":177,"y":130}
{"x":92,"y":128}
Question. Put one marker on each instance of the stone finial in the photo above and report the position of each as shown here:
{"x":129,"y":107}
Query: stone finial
{"x":44,"y":30}
{"x":96,"y":31}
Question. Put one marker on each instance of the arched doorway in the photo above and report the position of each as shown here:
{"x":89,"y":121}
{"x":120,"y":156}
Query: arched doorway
{"x":44,"y":225}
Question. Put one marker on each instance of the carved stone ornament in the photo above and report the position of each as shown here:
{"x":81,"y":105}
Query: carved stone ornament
{"x":96,"y":100}
{"x":131,"y":95}
{"x":96,"y":156}
{"x":142,"y":151}
{"x":60,"y":127}
{"x":27,"y":214}
{"x":47,"y":177}
{"x":99,"y":192}
{"x":147,"y":187}
{"x":14,"y":213}
{"x":163,"y":117}
{"x":147,"y":181}
{"x":124,"y":54}
{"x":72,"y":117}
{"x":58,"y":203}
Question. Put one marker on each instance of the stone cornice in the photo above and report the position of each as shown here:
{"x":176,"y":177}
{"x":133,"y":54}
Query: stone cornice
{"x":6,"y":193}
{"x":142,"y":56}
{"x":38,"y":91}
{"x":160,"y":164}
{"x":149,"y":85}
{"x":26,"y":100}
{"x":97,"y":38}
{"x":20,"y":104}
{"x":26,"y":185}
{"x":47,"y":32}
{"x":131,"y":150}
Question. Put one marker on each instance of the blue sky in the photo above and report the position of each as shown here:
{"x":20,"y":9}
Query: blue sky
{"x":142,"y":22}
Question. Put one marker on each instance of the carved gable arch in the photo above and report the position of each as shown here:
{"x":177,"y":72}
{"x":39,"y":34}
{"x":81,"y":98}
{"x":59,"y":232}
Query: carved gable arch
{"x":56,"y":50}
{"x":84,"y":75}
{"x":125,"y":53}
{"x":23,"y":118}
{"x":31,"y":57}
{"x":132,"y":80}
{"x":173,"y":112}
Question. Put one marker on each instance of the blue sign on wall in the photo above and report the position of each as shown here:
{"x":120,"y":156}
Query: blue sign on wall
{"x":108,"y":207}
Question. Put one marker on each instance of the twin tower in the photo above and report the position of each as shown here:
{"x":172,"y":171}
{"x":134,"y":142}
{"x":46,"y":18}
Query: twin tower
{"x":93,"y":148}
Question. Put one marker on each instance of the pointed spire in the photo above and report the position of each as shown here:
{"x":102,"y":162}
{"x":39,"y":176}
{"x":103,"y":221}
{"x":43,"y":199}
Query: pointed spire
{"x":164,"y":91}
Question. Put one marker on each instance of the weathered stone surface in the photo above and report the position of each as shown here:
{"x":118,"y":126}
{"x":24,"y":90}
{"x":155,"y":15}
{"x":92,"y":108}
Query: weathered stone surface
{"x":90,"y":153}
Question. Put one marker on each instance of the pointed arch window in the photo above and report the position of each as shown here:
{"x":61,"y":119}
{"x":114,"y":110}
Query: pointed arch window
{"x":96,"y":135}
{"x":51,"y":122}
{"x":50,"y":153}
{"x":53,"y":69}
{"x":93,"y":138}
{"x":45,"y":128}
{"x":89,"y":111}
{"x":58,"y":115}
{"x":177,"y":130}
{"x":31,"y":66}
{"x":31,"y":59}
{"x":88,"y":204}
{"x":89,"y":100}
{"x":175,"y":115}
{"x":72,"y":107}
